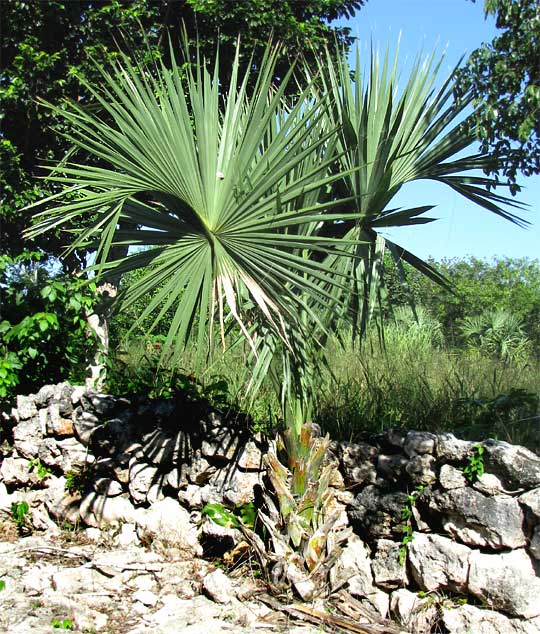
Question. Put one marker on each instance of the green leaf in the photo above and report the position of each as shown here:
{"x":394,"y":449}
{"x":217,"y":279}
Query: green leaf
{"x":220,"y":515}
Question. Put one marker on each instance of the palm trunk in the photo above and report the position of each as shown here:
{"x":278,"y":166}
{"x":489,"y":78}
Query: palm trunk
{"x":98,"y":321}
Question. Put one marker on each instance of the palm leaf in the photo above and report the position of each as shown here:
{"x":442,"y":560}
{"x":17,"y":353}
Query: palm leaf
{"x":223,"y":189}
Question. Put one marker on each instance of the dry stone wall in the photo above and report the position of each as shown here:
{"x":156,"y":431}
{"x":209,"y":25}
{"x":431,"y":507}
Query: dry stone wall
{"x":446,"y":535}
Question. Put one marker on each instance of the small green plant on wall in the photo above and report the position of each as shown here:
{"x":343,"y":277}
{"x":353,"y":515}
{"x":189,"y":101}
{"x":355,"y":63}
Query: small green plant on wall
{"x":62,"y":624}
{"x":406,"y":516}
{"x":20,"y":513}
{"x":476,"y":468}
{"x":76,"y":481}
{"x":39,"y":468}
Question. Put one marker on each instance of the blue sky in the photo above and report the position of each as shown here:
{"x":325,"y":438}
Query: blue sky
{"x":455,"y":27}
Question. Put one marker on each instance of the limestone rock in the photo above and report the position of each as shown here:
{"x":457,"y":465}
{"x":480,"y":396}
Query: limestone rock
{"x":506,"y":582}
{"x":490,"y":484}
{"x":168,"y":523}
{"x":219,"y":587}
{"x":127,"y":536}
{"x":391,"y":467}
{"x":534,"y":545}
{"x":85,"y":425}
{"x":78,"y":392}
{"x":377,"y":514}
{"x":250,"y":457}
{"x":199,"y":471}
{"x":388,"y":571}
{"x":354,"y":567}
{"x":45,"y":395}
{"x":103,"y":404}
{"x":82,"y":579}
{"x":176,"y":478}
{"x":56,"y":422}
{"x":27,"y":437}
{"x":221,"y":537}
{"x":195,"y":497}
{"x":453,"y":449}
{"x":97,"y":510}
{"x":380,"y":601}
{"x":37,"y":578}
{"x":146,"y":597}
{"x":451,"y":478}
{"x":530,"y":501}
{"x":74,"y":456}
{"x":479,"y":520}
{"x":141,"y":477}
{"x":155,"y":492}
{"x":357,"y":462}
{"x":395,"y":437}
{"x":17,"y":471}
{"x":222,"y":444}
{"x":5,"y":499}
{"x":469,"y":618}
{"x":26,"y":407}
{"x":517,"y":465}
{"x":419,"y":442}
{"x":108,"y":487}
{"x":162,"y":448}
{"x":421,"y":469}
{"x":178,"y":614}
{"x":416,"y":613}
{"x":438,"y":562}
{"x":62,"y":505}
{"x":240,"y":488}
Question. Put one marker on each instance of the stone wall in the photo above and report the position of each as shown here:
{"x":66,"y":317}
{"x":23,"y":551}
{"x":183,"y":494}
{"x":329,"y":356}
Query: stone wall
{"x":436,"y":543}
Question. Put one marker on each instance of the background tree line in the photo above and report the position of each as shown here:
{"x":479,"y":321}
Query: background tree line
{"x":480,"y":287}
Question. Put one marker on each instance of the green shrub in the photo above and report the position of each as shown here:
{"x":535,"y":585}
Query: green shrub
{"x":43,"y":328}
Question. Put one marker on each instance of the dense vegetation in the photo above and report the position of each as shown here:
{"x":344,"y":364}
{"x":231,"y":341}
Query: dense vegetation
{"x":50,"y":48}
{"x":488,"y":337}
{"x":432,"y":374}
{"x":233,"y":200}
{"x":504,"y":78}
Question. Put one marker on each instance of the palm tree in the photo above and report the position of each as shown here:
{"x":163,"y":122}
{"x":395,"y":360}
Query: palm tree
{"x":265,"y":214}
{"x":498,"y":333}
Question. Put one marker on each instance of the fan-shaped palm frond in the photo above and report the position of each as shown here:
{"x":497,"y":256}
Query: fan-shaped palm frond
{"x":389,"y":137}
{"x":216,"y":183}
{"x":498,"y":333}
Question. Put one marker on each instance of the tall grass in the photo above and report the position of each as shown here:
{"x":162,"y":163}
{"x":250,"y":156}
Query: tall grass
{"x":427,"y":388}
{"x":414,"y":382}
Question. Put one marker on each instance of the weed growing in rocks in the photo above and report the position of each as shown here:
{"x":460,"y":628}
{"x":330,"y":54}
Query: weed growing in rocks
{"x":406,"y":516}
{"x":76,"y":481}
{"x":41,"y":470}
{"x":475,"y":469}
{"x":62,"y":624}
{"x":20,"y":512}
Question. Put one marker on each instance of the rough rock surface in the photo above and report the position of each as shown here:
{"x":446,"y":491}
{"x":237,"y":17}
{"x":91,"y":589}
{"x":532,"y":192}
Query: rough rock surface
{"x":517,"y":465}
{"x":388,"y":570}
{"x":101,"y":588}
{"x":507,"y":582}
{"x":476,"y":519}
{"x":439,"y":562}
{"x":469,"y":618}
{"x":418,"y":614}
{"x":139,"y":472}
